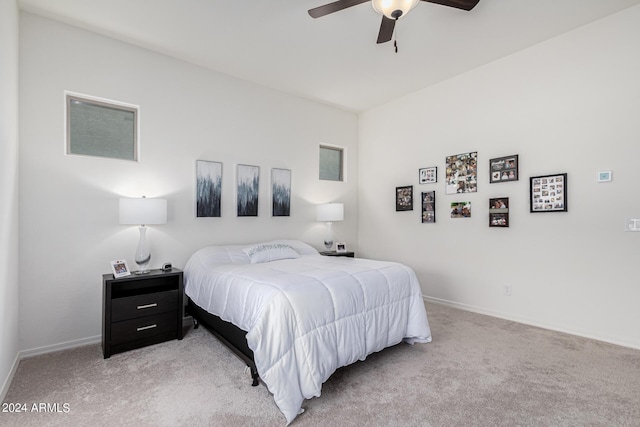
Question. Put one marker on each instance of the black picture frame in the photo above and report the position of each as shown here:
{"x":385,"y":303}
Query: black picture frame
{"x":548,"y":193}
{"x":247,"y":190}
{"x":208,"y":189}
{"x":280,"y":192}
{"x":428,"y":207}
{"x":499,"y":212}
{"x":404,"y":198}
{"x":503,"y":169}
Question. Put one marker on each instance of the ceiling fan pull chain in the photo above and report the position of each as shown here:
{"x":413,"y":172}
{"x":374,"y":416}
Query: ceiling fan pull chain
{"x":395,"y":40}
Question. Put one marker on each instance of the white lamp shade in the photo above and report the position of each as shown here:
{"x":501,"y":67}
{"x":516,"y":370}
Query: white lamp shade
{"x":387,"y":7}
{"x":143,"y":211}
{"x":330,"y":212}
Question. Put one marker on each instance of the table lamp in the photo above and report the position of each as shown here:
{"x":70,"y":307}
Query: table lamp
{"x":143,"y":212}
{"x":330,"y":212}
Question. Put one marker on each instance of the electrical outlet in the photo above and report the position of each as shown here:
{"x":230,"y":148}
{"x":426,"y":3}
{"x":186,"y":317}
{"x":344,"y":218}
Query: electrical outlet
{"x":507,"y":290}
{"x":632,"y":224}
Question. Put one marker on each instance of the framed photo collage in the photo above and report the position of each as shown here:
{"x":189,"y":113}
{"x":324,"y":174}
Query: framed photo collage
{"x":547,"y":193}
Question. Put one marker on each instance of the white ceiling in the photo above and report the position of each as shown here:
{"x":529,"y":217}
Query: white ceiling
{"x":333,"y":59}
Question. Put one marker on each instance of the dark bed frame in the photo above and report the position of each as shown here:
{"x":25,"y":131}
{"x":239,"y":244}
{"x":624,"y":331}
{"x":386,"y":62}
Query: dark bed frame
{"x":228,"y":333}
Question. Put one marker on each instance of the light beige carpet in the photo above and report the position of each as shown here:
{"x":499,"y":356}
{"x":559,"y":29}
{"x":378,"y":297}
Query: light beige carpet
{"x":478,"y":371}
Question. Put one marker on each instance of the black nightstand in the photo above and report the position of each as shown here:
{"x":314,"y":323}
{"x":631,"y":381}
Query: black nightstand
{"x":334,"y":253}
{"x":141,"y":309}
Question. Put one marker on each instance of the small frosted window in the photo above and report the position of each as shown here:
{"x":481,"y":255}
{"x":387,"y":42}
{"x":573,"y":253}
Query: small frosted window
{"x":331,"y":163}
{"x":98,"y":128}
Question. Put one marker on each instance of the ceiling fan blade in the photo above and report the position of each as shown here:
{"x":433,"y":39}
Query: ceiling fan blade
{"x":458,"y":4}
{"x":336,"y":6}
{"x":386,"y":29}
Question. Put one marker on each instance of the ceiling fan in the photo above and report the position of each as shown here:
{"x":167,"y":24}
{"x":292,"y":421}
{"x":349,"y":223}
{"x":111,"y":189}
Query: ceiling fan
{"x":391,"y":11}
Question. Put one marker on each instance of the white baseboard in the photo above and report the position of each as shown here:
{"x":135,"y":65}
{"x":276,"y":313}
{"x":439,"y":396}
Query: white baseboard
{"x":9,"y":379}
{"x":531,"y":322}
{"x":61,"y":346}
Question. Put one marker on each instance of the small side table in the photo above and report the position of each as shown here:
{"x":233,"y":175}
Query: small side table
{"x":141,"y":309}
{"x":348,"y":254}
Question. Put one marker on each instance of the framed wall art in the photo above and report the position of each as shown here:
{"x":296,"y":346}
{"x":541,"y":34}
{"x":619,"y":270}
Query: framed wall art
{"x":404,"y":198}
{"x":548,"y":193}
{"x":208,"y":188}
{"x":461,"y":175}
{"x":460,"y":209}
{"x":248,"y":180}
{"x":503,"y":169}
{"x":280,"y":192}
{"x":428,"y":175}
{"x":499,"y":212}
{"x":429,"y":207}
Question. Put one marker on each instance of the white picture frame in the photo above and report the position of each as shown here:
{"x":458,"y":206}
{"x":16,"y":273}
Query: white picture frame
{"x":341,"y":247}
{"x":120,"y":268}
{"x":428,"y":175}
{"x":461,"y":173}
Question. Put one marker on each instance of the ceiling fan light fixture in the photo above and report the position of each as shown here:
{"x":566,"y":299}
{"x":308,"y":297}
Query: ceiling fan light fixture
{"x":393,"y":9}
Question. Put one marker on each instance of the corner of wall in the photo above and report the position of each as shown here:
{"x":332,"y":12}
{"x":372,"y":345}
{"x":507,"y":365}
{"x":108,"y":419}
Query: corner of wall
{"x":7,"y":382}
{"x":9,"y":289}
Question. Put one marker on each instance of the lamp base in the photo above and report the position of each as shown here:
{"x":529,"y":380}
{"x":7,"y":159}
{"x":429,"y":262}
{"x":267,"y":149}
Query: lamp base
{"x":143,"y":256}
{"x":328,"y":238}
{"x":143,"y":267}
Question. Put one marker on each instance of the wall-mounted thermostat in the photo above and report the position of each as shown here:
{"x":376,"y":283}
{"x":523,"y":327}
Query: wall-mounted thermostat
{"x":604,"y":176}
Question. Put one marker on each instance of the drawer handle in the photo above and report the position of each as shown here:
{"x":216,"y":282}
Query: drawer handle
{"x":142,"y":307}
{"x":144,"y":328}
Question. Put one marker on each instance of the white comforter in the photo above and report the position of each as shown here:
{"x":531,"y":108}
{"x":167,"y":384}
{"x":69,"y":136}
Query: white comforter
{"x":309,"y":316}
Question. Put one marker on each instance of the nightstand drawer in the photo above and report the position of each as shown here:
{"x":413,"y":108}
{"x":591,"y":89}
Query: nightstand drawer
{"x":144,"y":327}
{"x":143,"y":305}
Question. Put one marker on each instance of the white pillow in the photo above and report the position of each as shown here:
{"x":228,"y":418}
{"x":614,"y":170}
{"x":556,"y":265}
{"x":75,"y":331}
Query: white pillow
{"x":298,"y":246}
{"x":266,"y":252}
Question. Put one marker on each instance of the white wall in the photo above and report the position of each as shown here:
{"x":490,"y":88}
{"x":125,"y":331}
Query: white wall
{"x":571,"y":105}
{"x":8,"y":192}
{"x":69,"y":224}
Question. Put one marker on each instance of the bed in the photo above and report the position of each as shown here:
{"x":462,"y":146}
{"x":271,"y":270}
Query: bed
{"x":295,"y":316}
